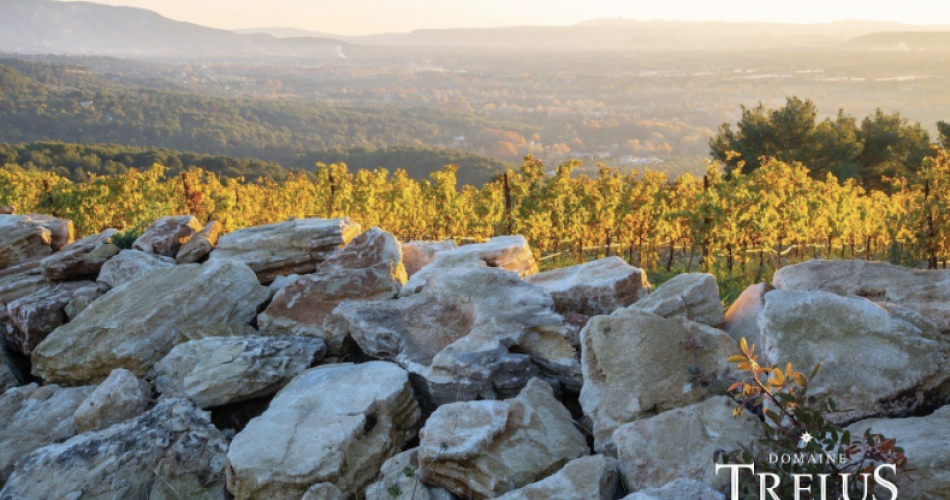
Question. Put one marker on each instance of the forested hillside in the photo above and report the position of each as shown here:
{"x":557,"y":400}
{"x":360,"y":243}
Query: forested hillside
{"x":77,"y":162}
{"x":42,"y":102}
{"x":904,"y":40}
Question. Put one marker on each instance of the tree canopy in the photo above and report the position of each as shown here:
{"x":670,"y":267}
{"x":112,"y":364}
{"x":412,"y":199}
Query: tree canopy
{"x":944,"y":128}
{"x":883,"y":145}
{"x":78,"y":162}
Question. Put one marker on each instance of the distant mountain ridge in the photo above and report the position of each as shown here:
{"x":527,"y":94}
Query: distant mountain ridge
{"x":47,"y":26}
{"x":284,"y":32}
{"x":79,"y":27}
{"x":901,"y":41}
{"x":618,"y":34}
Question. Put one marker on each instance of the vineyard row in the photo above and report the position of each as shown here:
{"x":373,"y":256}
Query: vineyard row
{"x":778,"y":212}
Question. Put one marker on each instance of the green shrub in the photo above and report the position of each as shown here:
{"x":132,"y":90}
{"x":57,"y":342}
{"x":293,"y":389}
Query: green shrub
{"x":125,"y":239}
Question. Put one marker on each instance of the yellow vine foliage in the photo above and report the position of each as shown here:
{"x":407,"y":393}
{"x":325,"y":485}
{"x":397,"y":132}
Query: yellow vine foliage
{"x":647,"y":216}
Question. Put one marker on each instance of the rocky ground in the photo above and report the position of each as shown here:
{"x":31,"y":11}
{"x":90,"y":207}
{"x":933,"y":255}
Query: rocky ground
{"x":311,"y":359}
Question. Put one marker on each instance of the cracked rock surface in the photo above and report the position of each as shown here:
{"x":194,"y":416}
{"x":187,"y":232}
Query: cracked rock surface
{"x":170,"y":452}
{"x":682,"y":443}
{"x":473,"y":333}
{"x":483,"y":449}
{"x":333,"y":424}
{"x":214,"y":371}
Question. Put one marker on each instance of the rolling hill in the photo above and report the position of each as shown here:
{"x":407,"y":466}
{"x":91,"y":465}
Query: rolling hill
{"x":282,"y":32}
{"x":47,"y":26}
{"x":43,"y":103}
{"x":625,"y":34}
{"x":78,"y":162}
{"x":78,"y":27}
{"x":902,"y":41}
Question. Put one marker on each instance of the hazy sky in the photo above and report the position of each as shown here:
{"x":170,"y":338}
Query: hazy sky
{"x":356,"y":17}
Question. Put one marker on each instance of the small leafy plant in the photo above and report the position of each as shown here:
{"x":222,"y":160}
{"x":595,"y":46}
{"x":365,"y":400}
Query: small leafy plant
{"x":796,"y":426}
{"x":124,"y":240}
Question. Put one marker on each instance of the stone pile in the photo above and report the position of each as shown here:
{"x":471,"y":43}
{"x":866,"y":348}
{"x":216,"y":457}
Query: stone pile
{"x":313,"y":360}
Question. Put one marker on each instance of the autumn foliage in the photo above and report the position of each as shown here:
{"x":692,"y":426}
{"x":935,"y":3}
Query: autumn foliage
{"x":774,"y":215}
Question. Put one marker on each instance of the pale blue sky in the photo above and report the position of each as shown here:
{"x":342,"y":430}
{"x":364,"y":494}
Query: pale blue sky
{"x":356,"y":17}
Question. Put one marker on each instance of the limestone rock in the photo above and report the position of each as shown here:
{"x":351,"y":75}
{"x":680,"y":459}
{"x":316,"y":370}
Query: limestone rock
{"x":78,"y":263}
{"x":201,"y":244}
{"x":371,"y":250}
{"x":33,"y":417}
{"x":103,"y":238}
{"x":221,"y":370}
{"x":82,"y":259}
{"x":331,"y":424}
{"x":595,"y":288}
{"x":206,"y":330}
{"x":166,"y":235}
{"x":29,"y":266}
{"x":59,"y":232}
{"x":369,"y":268}
{"x":400,"y":479}
{"x":875,"y":362}
{"x":130,"y":265}
{"x":9,"y":221}
{"x":574,"y":324}
{"x":170,"y":452}
{"x":282,"y":282}
{"x":294,"y":246}
{"x":682,"y":443}
{"x":120,"y":397}
{"x":681,"y":489}
{"x":83,"y":298}
{"x":925,"y":441}
{"x":442,"y":494}
{"x":483,"y":449}
{"x":588,"y":478}
{"x":924,"y":291}
{"x":636,"y":365}
{"x":742,"y":318}
{"x":477,"y":423}
{"x":324,"y":491}
{"x":62,"y":232}
{"x":691,"y":296}
{"x":21,"y":280}
{"x":507,"y":252}
{"x":34,"y":317}
{"x":473,"y":333}
{"x":418,"y":254}
{"x":136,"y":324}
{"x":19,"y":244}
